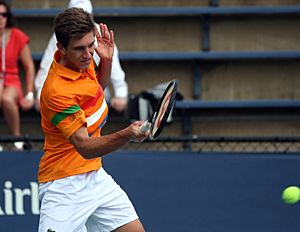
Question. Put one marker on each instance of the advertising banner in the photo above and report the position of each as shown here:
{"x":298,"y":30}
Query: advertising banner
{"x":174,"y":191}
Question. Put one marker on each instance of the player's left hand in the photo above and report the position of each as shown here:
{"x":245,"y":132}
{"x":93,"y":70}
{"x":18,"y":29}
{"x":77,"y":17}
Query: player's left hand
{"x":105,"y":42}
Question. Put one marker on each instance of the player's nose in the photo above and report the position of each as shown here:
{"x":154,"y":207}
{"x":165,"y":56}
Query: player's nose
{"x":87,"y":53}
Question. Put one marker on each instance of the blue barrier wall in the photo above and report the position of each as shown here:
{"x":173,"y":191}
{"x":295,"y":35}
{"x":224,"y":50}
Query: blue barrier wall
{"x":175,"y":192}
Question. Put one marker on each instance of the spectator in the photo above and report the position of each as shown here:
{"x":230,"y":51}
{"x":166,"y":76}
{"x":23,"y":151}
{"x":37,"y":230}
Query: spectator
{"x":14,"y":46}
{"x":119,"y":101}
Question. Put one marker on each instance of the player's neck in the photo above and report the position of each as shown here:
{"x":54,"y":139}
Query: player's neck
{"x":64,"y":62}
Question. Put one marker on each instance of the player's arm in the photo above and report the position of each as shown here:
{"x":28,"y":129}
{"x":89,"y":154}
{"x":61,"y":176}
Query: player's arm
{"x":105,"y":50}
{"x":92,"y":147}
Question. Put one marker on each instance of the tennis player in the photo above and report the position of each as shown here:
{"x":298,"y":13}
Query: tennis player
{"x":76,"y":193}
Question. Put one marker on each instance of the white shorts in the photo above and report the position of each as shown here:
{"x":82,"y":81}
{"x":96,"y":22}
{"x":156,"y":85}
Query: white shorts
{"x":87,"y":202}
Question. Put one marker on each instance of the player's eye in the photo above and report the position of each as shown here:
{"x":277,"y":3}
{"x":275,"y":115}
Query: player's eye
{"x":92,"y":45}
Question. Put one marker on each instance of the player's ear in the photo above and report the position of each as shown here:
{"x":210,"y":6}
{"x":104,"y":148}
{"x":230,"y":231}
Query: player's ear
{"x":61,"y":48}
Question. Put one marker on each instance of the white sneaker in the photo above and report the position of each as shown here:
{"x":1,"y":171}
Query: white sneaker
{"x":19,"y":145}
{"x":1,"y":148}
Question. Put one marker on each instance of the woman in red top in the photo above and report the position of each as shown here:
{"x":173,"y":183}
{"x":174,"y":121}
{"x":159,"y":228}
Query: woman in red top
{"x":14,"y":47}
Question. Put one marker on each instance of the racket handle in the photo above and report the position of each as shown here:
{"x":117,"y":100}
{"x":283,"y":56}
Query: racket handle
{"x":145,"y":127}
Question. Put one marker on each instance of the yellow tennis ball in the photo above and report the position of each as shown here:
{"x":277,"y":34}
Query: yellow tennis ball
{"x":291,"y":195}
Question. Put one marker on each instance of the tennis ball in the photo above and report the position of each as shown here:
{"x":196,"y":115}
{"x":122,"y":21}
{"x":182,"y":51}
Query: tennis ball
{"x":291,"y":195}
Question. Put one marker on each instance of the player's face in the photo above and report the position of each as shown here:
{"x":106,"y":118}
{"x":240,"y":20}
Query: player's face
{"x":3,"y":17}
{"x":79,"y":53}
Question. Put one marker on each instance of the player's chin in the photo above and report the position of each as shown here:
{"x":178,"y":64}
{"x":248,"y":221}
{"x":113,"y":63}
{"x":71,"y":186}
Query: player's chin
{"x":85,"y":64}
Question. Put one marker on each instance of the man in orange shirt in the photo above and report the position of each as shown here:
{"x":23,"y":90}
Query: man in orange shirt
{"x":75,"y":191}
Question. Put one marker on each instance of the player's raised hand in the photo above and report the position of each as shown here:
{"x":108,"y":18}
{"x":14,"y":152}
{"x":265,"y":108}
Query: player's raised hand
{"x":105,"y":42}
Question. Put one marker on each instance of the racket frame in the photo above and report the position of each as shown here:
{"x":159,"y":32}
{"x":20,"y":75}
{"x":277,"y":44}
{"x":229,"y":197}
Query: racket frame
{"x":151,"y":121}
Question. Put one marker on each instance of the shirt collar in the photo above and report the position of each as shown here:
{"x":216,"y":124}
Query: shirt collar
{"x":66,"y":72}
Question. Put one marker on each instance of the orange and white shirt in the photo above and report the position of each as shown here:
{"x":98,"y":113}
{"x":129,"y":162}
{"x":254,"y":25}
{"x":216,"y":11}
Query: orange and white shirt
{"x":69,"y":100}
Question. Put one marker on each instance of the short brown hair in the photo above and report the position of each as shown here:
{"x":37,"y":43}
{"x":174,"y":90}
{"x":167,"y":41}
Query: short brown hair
{"x":73,"y":23}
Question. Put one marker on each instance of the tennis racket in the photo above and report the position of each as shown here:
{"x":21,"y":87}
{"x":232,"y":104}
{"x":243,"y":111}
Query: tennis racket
{"x":162,"y":111}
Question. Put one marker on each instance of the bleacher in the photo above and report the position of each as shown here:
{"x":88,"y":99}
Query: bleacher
{"x":227,"y":56}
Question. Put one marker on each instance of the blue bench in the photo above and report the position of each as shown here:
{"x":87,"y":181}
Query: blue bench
{"x":167,"y":11}
{"x":246,"y":104}
{"x":200,"y":55}
{"x":209,"y":55}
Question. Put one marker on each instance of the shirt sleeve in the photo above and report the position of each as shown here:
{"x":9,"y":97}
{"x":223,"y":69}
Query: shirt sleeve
{"x":65,"y":114}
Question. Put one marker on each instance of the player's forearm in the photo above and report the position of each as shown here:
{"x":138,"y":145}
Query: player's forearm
{"x":99,"y":146}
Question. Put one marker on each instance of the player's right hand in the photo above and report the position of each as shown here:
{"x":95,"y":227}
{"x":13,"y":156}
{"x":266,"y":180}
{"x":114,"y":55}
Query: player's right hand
{"x":138,"y":135}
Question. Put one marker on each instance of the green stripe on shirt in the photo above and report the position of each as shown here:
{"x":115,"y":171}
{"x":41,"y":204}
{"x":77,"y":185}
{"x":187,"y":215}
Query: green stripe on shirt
{"x":58,"y":117}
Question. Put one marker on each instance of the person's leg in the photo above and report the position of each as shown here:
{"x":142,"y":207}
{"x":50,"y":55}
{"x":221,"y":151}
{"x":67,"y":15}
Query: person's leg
{"x":115,"y":211}
{"x":66,"y":204}
{"x":10,"y":109}
{"x":134,"y":226}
